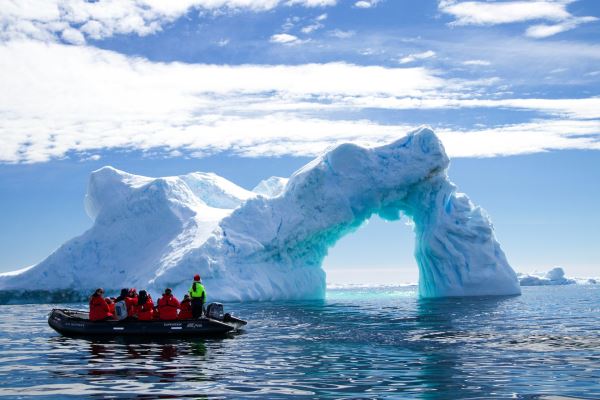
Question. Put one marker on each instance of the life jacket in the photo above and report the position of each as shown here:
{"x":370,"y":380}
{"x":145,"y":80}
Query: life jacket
{"x":131,"y":305}
{"x":98,"y":309}
{"x":145,"y":312}
{"x":197,"y":291}
{"x":185,"y":310}
{"x":111,"y":305}
{"x":167,"y":307}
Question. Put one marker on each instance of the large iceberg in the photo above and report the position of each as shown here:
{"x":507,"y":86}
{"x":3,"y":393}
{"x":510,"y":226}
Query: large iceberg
{"x":270,"y":243}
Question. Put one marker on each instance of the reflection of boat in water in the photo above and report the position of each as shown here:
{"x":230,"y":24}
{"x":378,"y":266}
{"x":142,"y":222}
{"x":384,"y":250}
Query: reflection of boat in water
{"x":76,"y":323}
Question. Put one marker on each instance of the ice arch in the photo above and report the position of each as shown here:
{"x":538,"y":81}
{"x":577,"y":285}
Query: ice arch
{"x":274,"y":247}
{"x":270,"y":244}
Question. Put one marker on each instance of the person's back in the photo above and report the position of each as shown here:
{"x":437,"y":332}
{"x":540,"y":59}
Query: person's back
{"x":131,"y":301}
{"x":185,"y":308}
{"x":121,"y":306}
{"x":98,"y":308}
{"x":168,"y":306}
{"x":198,"y":295}
{"x":145,"y":307}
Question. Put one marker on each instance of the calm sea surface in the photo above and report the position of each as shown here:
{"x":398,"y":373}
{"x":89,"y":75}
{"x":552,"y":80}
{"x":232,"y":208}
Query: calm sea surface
{"x":376,"y":343}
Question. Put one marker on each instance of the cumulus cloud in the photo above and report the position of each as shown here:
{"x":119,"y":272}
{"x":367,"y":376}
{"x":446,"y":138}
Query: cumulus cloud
{"x":73,"y":36}
{"x":505,"y":12}
{"x":73,"y":20}
{"x":417,"y":56}
{"x":59,"y":99}
{"x":284,"y":38}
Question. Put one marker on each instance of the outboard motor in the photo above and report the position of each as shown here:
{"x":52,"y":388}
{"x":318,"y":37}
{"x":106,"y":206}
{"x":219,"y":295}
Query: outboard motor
{"x":215,"y":311}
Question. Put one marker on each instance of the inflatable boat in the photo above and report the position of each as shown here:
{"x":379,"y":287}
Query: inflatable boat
{"x":76,"y":323}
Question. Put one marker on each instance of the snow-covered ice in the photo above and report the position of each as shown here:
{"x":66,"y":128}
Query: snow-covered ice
{"x":271,"y":187}
{"x":270,"y":243}
{"x":555,"y":276}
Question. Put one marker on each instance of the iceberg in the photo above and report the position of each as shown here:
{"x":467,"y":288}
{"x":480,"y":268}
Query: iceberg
{"x":270,"y":243}
{"x":556,"y":276}
{"x":271,"y":187}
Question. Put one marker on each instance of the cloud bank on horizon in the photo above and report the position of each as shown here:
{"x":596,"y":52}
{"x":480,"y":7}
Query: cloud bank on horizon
{"x":493,"y":78}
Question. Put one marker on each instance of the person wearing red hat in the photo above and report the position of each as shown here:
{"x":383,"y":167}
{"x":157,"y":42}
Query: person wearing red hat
{"x":167,"y":306}
{"x":198,"y":295}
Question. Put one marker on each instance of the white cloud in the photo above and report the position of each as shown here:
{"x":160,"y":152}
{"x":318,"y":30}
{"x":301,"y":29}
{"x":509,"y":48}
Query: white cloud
{"x":525,"y":138}
{"x":341,"y":34}
{"x":366,"y":3}
{"x":289,"y":23}
{"x":482,"y":63}
{"x":284,"y":38}
{"x":584,"y":108}
{"x":418,"y":56}
{"x":312,"y":3}
{"x":492,"y":13}
{"x":54,"y":19}
{"x":543,"y":30}
{"x":311,"y":28}
{"x":504,"y":12}
{"x":72,"y":36}
{"x":59,"y":99}
{"x":315,"y":25}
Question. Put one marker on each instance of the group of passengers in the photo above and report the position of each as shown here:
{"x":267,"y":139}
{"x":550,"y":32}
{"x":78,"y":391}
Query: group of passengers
{"x":133,"y":305}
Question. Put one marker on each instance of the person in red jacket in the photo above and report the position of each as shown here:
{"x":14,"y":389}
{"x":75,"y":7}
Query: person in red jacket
{"x":145,"y":307}
{"x":111,"y":305}
{"x":131,"y":301}
{"x":185,"y":308}
{"x":98,"y":308}
{"x":168,"y":306}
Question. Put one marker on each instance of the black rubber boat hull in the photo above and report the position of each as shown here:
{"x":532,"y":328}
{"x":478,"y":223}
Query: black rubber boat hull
{"x":76,"y":323}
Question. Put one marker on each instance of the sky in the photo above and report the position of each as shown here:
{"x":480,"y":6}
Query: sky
{"x":254,"y":88}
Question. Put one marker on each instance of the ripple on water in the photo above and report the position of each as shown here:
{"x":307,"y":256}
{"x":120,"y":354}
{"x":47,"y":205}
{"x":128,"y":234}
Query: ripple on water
{"x":354,"y":344}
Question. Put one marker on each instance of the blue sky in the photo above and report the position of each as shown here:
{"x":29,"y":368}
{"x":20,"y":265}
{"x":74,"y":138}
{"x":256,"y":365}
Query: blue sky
{"x":250,"y":89}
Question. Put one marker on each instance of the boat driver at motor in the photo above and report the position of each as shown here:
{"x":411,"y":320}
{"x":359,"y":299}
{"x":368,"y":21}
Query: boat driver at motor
{"x":198,"y":295}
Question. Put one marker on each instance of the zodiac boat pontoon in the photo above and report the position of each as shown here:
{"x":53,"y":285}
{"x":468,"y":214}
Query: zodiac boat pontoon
{"x":76,"y":323}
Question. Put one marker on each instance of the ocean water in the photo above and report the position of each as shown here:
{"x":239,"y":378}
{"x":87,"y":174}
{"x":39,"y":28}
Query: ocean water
{"x":359,"y":343}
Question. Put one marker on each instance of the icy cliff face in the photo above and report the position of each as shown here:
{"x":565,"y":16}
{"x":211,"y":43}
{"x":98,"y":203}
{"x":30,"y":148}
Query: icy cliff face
{"x":157,"y":233}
